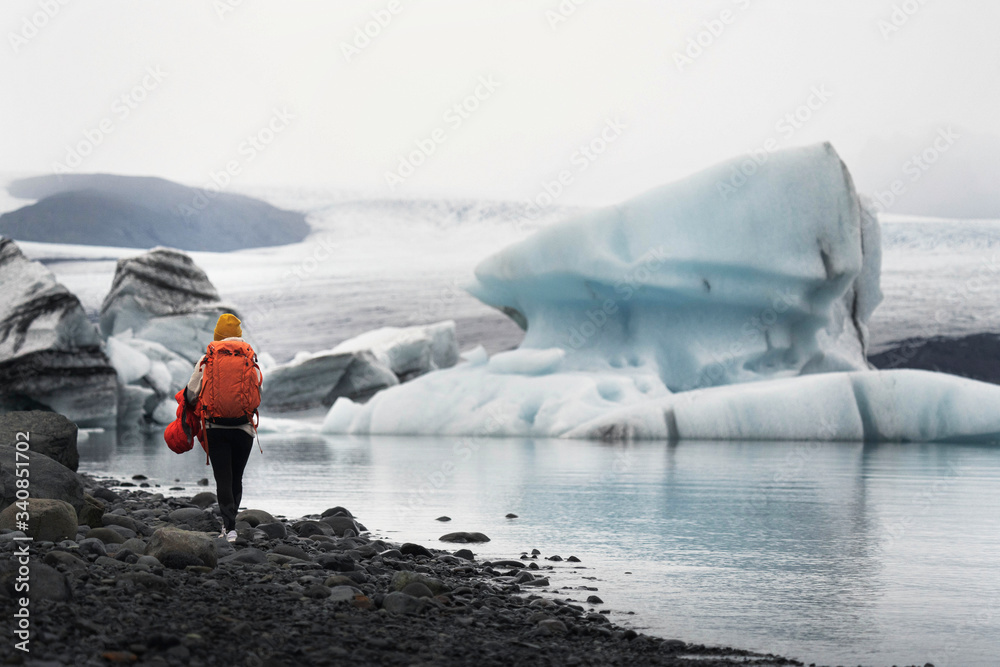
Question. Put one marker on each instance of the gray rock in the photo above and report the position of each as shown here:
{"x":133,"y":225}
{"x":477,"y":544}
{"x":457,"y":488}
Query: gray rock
{"x":336,"y":511}
{"x":123,"y":531}
{"x":92,"y":546}
{"x":403,"y":578}
{"x":92,"y":512}
{"x":135,"y":545}
{"x":310,"y":528}
{"x":106,"y":535}
{"x":66,"y":559}
{"x":344,"y":593}
{"x":204,"y":499}
{"x":336,"y":562}
{"x":466,"y":554}
{"x":418,"y":590}
{"x":137,"y":527}
{"x":464,"y":537}
{"x":150,"y":562}
{"x":274,"y":530}
{"x":553,"y":626}
{"x":106,"y":495}
{"x":593,"y":599}
{"x":292,"y":551}
{"x":48,"y":520}
{"x":401,"y":603}
{"x":167,"y":542}
{"x":51,"y":434}
{"x":195,"y":519}
{"x":48,"y":583}
{"x":341,"y":524}
{"x":316,"y":592}
{"x":49,"y":479}
{"x":249,"y":556}
{"x":255,"y":517}
{"x":409,"y":549}
{"x":541,"y":581}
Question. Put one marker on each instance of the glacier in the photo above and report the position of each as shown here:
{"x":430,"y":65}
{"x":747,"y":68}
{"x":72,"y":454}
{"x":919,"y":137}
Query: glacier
{"x":696,"y":310}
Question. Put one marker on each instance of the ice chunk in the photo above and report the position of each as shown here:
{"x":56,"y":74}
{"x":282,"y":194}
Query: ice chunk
{"x":408,"y":351}
{"x":315,"y":380}
{"x":50,"y":353}
{"x":776,"y":278}
{"x":129,"y":363}
{"x":692,"y":311}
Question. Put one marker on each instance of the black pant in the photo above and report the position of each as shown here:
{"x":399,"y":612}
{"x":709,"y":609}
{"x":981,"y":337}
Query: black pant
{"x":229,"y":449}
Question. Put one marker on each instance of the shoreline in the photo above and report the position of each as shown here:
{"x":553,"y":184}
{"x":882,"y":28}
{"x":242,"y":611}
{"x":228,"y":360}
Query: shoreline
{"x":303,"y":591}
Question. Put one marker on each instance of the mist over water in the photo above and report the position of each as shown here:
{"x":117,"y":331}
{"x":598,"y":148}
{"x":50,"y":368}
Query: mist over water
{"x":835,"y":553}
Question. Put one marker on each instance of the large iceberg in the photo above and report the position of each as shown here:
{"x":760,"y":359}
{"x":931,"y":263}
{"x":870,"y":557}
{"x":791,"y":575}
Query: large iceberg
{"x":697,"y":310}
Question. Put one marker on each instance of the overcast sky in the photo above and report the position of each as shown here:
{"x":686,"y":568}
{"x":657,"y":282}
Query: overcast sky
{"x":328,"y":108}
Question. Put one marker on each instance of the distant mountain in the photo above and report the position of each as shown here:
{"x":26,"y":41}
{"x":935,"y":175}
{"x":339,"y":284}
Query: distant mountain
{"x":143,"y":212}
{"x":944,"y":172}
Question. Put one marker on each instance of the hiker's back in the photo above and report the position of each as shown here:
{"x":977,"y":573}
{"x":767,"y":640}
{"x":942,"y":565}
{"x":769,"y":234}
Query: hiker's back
{"x":230,"y":382}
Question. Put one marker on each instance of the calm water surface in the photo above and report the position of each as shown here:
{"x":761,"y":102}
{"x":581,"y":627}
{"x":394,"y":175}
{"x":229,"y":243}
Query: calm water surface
{"x":834,"y":553}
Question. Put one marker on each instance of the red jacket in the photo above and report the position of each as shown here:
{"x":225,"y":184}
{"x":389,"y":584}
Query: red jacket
{"x":181,"y":432}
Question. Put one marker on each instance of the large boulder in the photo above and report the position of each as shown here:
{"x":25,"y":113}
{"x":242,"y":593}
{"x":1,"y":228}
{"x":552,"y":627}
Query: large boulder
{"x":49,"y":433}
{"x":169,"y":545}
{"x":49,"y":479}
{"x":50,"y":353}
{"x":48,"y":520}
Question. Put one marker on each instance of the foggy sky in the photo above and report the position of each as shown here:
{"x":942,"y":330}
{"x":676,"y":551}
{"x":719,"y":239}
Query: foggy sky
{"x":287,"y":93}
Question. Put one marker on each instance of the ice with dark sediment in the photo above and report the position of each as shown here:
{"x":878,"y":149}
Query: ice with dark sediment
{"x":50,"y":353}
{"x":360,"y":366}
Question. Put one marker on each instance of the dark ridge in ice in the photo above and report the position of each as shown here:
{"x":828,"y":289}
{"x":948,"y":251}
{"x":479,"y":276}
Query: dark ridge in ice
{"x":142,"y":212}
{"x":163,"y":282}
{"x":976,"y":356}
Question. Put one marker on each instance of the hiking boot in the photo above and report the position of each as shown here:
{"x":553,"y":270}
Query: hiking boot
{"x":231,"y":536}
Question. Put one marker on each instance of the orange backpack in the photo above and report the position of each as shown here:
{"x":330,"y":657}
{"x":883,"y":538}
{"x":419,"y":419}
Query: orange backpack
{"x":230,"y":383}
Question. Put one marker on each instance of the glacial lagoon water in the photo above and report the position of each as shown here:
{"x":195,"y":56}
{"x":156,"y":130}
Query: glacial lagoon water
{"x":834,"y":553}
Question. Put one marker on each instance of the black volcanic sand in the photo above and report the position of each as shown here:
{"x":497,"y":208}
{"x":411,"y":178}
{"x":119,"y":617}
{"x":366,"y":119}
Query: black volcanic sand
{"x":299,"y":608}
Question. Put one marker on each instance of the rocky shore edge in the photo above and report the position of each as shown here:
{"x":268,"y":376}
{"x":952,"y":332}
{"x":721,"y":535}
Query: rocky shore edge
{"x":144,"y":581}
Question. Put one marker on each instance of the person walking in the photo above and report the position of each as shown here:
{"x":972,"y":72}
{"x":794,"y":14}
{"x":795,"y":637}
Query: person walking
{"x":224,"y":392}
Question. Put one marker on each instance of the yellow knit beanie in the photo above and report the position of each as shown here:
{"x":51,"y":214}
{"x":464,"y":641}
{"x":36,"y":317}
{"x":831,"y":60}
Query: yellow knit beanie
{"x":228,"y":326}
